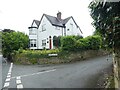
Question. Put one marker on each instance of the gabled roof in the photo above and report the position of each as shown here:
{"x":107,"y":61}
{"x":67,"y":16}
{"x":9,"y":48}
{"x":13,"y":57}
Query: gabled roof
{"x":37,"y":22}
{"x":66,"y":20}
{"x":55,"y":21}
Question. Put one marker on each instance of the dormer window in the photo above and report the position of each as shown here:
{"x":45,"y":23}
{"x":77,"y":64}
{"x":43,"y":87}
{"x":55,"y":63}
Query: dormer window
{"x":43,"y":27}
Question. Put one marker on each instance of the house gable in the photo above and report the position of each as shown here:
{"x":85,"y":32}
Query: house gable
{"x":72,"y":28}
{"x":48,"y":27}
{"x":44,"y":21}
{"x":73,"y":22}
{"x":35,"y":24}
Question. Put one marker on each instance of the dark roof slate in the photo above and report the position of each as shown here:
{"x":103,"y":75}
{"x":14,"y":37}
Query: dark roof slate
{"x":66,"y":20}
{"x":37,"y":22}
{"x":54,"y":20}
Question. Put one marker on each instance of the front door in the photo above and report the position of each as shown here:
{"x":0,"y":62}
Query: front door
{"x":50,"y":43}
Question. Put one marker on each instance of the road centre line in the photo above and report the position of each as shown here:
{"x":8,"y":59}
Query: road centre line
{"x":34,"y":74}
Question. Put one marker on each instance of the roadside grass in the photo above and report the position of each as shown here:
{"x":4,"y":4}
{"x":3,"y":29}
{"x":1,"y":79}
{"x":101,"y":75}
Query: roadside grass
{"x":42,"y":57}
{"x":112,"y":84}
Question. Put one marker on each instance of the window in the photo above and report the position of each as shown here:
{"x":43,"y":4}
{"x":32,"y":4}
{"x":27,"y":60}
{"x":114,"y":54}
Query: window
{"x":71,"y":26}
{"x":32,"y":31}
{"x":44,"y":42}
{"x":43,"y":27}
{"x":33,"y":43}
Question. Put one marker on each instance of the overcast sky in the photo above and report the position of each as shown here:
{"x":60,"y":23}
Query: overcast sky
{"x":19,"y":14}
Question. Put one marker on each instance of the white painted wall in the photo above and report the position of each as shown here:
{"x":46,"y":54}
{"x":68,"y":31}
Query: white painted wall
{"x":34,"y":24}
{"x":34,"y":35}
{"x":73,"y":29}
{"x":52,"y":31}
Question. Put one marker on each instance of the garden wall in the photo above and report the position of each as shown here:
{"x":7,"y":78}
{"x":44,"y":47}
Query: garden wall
{"x":61,"y":58}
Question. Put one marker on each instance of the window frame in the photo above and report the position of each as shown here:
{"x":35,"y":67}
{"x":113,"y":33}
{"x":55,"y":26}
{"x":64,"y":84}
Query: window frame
{"x":44,"y":42}
{"x":33,"y":31}
{"x":43,"y":27}
{"x":33,"y":42}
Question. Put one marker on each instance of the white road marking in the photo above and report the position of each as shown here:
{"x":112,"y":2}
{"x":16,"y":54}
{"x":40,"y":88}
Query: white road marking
{"x":20,"y":86}
{"x":35,"y":73}
{"x":6,"y":84}
{"x":7,"y":80}
{"x":9,"y":73}
{"x":18,"y":81}
{"x":8,"y":76}
{"x":11,"y":64}
{"x":18,"y":77}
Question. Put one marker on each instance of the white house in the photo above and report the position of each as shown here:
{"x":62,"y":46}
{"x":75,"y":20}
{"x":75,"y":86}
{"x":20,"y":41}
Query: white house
{"x":41,"y":32}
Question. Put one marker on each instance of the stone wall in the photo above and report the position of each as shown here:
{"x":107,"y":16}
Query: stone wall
{"x":72,"y":57}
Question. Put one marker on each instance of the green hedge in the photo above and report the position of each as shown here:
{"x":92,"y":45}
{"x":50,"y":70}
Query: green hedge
{"x":68,"y":43}
{"x":72,"y":43}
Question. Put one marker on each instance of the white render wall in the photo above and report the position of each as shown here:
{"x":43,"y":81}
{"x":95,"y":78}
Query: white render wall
{"x":73,"y":29}
{"x":50,"y":31}
{"x":34,"y":24}
{"x":34,"y":36}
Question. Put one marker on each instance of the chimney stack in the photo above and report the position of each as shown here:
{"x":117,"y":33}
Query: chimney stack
{"x":59,"y":15}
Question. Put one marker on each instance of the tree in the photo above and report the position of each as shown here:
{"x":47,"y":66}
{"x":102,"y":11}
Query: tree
{"x":8,"y":30}
{"x":0,"y":41}
{"x":12,"y":41}
{"x":107,"y":22}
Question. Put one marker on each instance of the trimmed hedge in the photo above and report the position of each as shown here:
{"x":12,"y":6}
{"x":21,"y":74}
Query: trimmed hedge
{"x":71,"y":43}
{"x":68,"y":43}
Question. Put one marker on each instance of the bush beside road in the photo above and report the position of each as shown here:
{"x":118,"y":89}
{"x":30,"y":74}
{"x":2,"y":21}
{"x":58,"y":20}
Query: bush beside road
{"x":31,"y":57}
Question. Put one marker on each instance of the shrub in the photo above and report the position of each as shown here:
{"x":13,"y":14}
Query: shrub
{"x":84,"y":43}
{"x":80,"y":45}
{"x":31,"y":54}
{"x":13,"y":41}
{"x":94,"y":42}
{"x":68,"y":43}
{"x":75,"y":43}
{"x":77,"y":37}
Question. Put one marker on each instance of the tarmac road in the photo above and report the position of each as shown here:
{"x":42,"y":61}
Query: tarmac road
{"x":83,"y":74}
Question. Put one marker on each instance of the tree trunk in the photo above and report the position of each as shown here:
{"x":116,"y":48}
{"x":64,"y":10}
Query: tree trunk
{"x":116,"y":64}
